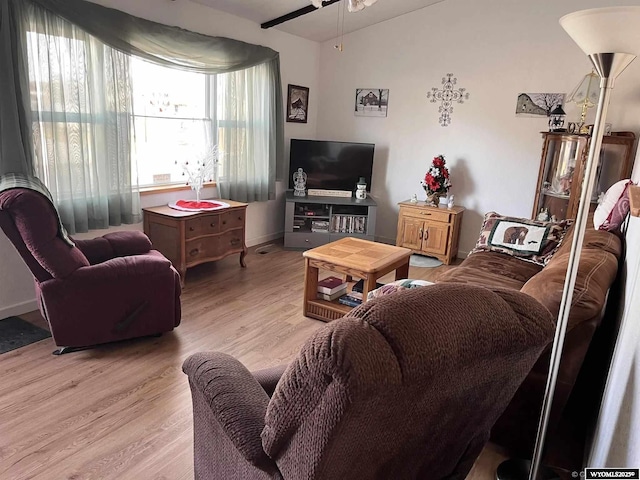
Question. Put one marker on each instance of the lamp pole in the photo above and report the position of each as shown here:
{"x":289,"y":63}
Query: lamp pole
{"x":608,"y":36}
{"x":608,"y":66}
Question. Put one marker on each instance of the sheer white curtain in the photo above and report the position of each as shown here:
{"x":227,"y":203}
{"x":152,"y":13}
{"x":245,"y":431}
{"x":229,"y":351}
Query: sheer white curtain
{"x":81,"y":104}
{"x":246,"y":105}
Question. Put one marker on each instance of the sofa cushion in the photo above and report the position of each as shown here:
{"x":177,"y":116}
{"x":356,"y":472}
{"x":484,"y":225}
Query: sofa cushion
{"x":597,"y":271}
{"x":529,"y":240}
{"x":492,"y":269}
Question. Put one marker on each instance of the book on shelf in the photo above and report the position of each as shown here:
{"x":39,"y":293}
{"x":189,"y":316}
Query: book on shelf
{"x":356,"y":295}
{"x":333,"y":296}
{"x":359,"y":286}
{"x":331,"y":285}
{"x":349,"y":300}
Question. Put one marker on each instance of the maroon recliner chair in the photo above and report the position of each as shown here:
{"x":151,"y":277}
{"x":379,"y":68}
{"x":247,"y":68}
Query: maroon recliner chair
{"x":97,"y":291}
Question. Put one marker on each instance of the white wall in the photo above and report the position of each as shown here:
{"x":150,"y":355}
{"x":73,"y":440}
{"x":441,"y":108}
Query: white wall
{"x":617,"y":435}
{"x":496,"y":49}
{"x":299,"y":61}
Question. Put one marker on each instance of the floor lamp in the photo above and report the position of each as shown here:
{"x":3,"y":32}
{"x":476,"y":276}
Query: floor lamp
{"x":611,"y":39}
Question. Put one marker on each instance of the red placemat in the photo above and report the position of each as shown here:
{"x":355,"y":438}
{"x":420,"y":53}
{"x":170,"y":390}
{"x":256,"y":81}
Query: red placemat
{"x":194,"y":206}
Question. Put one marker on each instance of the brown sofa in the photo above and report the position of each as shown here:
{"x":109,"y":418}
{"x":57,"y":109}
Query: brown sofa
{"x":406,"y":386}
{"x":516,"y":428}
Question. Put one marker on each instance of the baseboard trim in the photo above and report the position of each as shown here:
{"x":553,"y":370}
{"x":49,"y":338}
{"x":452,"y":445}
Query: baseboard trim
{"x":264,"y":239}
{"x":388,"y":241}
{"x":19,"y":309}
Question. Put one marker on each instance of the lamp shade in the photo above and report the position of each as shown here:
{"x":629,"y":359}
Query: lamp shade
{"x":605,"y":30}
{"x":587,"y":92}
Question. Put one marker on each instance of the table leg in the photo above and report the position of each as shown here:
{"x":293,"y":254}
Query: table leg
{"x":369,"y":285}
{"x":310,"y":285}
{"x":402,"y":272}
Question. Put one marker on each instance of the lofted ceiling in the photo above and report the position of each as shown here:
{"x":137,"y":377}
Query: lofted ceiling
{"x":320,"y":25}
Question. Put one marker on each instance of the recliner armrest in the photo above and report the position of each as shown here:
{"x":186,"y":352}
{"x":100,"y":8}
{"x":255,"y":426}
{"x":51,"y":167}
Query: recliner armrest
{"x":236,"y":399}
{"x":112,"y":245}
{"x":121,"y":267}
{"x":268,"y":378}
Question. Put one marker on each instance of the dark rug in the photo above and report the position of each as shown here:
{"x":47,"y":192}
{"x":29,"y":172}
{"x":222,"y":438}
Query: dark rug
{"x":16,"y":333}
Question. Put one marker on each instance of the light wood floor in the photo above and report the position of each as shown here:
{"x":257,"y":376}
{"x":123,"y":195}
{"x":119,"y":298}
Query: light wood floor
{"x":123,"y":411}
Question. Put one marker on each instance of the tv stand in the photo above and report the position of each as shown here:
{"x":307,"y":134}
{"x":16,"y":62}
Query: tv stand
{"x":312,"y":221}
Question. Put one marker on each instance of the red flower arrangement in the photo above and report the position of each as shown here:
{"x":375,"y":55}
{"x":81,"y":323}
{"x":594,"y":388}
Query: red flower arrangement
{"x":436,"y":180}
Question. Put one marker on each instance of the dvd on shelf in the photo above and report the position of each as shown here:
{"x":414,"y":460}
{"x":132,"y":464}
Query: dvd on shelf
{"x":349,"y":224}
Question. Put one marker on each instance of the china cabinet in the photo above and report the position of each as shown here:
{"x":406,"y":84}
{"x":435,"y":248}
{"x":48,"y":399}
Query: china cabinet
{"x":562,"y":163}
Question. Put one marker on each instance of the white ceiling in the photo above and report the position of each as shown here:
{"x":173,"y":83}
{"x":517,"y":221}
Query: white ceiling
{"x":320,"y":25}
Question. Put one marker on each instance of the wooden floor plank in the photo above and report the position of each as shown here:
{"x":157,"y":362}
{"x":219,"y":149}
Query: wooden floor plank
{"x":123,"y":411}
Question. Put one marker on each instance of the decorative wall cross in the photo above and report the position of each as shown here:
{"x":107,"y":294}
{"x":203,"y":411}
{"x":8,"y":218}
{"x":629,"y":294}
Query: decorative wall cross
{"x":447,"y":96}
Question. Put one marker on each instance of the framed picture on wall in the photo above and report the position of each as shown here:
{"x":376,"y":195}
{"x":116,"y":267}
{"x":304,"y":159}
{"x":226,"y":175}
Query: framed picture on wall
{"x":297,"y":103}
{"x":371,"y":102}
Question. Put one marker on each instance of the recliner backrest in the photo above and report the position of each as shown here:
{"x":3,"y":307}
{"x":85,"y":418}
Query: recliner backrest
{"x":30,"y":222}
{"x":406,"y":386}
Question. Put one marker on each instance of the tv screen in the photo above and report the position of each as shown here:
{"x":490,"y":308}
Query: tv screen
{"x":331,"y":165}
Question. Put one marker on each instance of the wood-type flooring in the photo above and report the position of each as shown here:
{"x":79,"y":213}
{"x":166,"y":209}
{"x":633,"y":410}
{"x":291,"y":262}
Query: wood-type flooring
{"x":123,"y":411}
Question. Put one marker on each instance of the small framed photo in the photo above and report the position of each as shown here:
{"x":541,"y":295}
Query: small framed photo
{"x":371,"y":102}
{"x":297,"y":103}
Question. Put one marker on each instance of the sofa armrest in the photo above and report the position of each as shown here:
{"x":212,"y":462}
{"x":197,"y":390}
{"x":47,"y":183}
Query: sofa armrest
{"x":112,"y":245}
{"x":236,"y":400}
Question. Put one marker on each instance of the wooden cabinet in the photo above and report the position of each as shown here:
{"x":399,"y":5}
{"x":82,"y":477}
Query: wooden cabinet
{"x":562,"y":164}
{"x":189,"y":239}
{"x":429,"y":230}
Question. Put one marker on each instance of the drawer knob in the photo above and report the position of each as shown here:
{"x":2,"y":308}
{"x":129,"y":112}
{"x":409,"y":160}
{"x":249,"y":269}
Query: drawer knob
{"x":235,"y":241}
{"x":306,"y":240}
{"x":212,"y":224}
{"x":240,"y":218}
{"x":191,"y":229}
{"x":194,"y":252}
{"x":425,"y":213}
{"x":224,"y":222}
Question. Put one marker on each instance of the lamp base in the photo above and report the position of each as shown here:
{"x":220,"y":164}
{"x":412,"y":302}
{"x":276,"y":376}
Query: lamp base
{"x":519,"y":468}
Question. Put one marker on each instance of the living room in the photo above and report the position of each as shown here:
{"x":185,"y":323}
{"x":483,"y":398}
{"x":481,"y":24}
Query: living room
{"x":495,"y":49}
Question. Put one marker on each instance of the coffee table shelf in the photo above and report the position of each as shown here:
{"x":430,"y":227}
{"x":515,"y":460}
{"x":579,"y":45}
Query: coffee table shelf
{"x":326,"y":310}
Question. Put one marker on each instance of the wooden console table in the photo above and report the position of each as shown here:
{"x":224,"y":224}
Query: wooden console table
{"x":189,"y":239}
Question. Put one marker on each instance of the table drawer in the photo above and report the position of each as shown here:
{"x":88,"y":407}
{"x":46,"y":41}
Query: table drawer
{"x":202,"y":225}
{"x":433,"y":215}
{"x":232,"y":219}
{"x":305,"y":240}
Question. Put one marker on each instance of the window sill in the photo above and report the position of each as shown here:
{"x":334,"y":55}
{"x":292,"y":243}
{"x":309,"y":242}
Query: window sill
{"x":170,"y":188}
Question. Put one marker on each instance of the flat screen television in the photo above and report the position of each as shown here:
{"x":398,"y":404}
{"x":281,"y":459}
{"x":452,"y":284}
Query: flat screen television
{"x":331,"y":165}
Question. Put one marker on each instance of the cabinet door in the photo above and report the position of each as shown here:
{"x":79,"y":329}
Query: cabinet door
{"x":435,"y":238}
{"x":411,"y":234}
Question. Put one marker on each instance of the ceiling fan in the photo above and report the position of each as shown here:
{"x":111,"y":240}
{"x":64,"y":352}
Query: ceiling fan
{"x":352,"y":6}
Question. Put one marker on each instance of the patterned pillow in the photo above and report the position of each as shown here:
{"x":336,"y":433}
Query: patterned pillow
{"x":613,"y":208}
{"x":529,"y":240}
{"x":396,"y":287}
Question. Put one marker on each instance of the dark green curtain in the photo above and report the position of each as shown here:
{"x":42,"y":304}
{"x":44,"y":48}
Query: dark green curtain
{"x":16,"y":150}
{"x":161,"y":44}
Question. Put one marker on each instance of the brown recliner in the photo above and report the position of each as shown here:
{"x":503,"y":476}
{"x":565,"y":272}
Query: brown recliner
{"x":407,"y":386}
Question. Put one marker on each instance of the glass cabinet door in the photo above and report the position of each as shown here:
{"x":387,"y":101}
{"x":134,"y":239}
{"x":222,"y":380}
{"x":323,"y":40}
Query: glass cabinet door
{"x":562,"y":169}
{"x":562,"y":156}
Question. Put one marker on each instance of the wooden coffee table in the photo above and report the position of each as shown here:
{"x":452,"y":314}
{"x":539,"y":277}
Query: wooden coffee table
{"x":354,"y":258}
